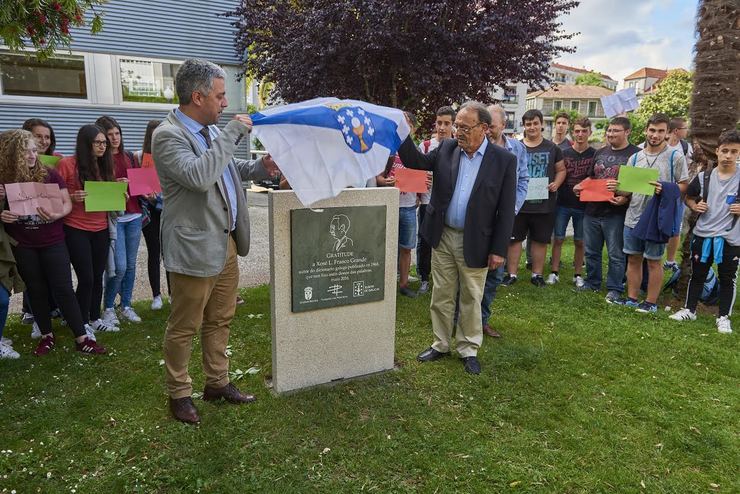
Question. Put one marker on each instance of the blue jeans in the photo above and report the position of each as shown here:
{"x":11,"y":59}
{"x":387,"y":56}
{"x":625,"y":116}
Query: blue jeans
{"x":4,"y":304}
{"x":493,"y":280}
{"x":128,"y":235}
{"x":562,"y":217}
{"x":598,"y":230}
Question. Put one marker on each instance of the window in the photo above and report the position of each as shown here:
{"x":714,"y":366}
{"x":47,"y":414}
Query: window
{"x":557,"y":105}
{"x":575,"y":105}
{"x":510,"y":118}
{"x":148,"y":81}
{"x":510,"y":95}
{"x":58,"y":77}
{"x":592,"y":106}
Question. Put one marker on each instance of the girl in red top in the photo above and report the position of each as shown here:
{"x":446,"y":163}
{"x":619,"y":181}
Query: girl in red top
{"x":86,"y":233}
{"x":41,"y":254}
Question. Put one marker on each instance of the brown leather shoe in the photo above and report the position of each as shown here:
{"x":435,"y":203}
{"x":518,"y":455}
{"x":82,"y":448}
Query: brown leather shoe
{"x":184,"y":410}
{"x":491,"y":332}
{"x":229,"y":393}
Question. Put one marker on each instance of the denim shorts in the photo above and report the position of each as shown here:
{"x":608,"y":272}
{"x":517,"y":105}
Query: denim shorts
{"x":562,"y":216}
{"x":407,"y":227}
{"x":645,"y":248}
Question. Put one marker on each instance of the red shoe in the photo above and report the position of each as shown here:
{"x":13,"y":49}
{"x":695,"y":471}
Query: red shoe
{"x":46,"y":343}
{"x":90,"y":347}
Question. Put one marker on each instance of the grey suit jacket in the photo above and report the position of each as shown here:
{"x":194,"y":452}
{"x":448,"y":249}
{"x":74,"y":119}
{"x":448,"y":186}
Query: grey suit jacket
{"x":195,"y":218}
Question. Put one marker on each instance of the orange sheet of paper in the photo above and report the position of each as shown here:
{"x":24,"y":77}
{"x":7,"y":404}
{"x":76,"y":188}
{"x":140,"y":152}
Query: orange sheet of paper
{"x":408,"y":180}
{"x":147,"y":161}
{"x":594,"y":190}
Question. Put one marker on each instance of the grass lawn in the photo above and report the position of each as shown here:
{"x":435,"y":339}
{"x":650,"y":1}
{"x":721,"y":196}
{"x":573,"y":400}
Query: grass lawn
{"x":578,"y":396}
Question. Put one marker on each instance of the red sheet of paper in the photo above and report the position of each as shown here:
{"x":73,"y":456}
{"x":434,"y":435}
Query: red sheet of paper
{"x":24,"y":198}
{"x":147,"y":161}
{"x":143,"y":181}
{"x":594,"y":190}
{"x":408,"y":180}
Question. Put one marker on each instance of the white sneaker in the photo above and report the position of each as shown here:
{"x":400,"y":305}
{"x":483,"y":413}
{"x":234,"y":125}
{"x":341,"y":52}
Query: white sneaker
{"x":424,"y":288}
{"x":579,"y":281}
{"x":683,"y":315}
{"x":89,"y":332}
{"x":723,"y":325}
{"x":35,"y":331}
{"x":552,"y":278}
{"x":102,"y":326}
{"x":130,"y":314}
{"x":157,"y":302}
{"x":7,"y":352}
{"x":110,"y":318}
{"x":6,"y":341}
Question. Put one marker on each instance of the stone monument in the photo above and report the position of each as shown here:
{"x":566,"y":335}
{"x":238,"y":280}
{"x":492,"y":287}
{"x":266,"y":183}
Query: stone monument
{"x":332,"y":286}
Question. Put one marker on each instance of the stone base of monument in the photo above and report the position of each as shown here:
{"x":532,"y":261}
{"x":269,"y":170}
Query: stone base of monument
{"x":332,"y":286}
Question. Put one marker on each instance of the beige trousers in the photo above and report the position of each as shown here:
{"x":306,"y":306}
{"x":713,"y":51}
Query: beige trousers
{"x":207,"y":304}
{"x":449,"y":269}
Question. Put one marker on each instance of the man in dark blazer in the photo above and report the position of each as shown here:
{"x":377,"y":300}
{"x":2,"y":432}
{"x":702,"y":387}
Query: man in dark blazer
{"x":468,"y":223}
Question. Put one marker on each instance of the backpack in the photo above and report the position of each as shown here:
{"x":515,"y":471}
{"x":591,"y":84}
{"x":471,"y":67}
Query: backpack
{"x":705,"y":192}
{"x":685,"y":147}
{"x":709,"y":293}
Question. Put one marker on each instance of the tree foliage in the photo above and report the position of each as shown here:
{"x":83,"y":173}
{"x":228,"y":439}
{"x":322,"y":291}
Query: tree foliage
{"x":672,"y":96}
{"x":45,"y":24}
{"x":589,"y":79}
{"x":413,"y":55}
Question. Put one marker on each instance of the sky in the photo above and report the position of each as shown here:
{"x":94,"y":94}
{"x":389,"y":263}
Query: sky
{"x":618,"y":37}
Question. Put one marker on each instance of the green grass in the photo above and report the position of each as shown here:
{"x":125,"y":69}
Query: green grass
{"x":578,"y":396}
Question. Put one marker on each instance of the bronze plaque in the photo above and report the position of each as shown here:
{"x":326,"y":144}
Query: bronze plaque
{"x":337,"y":256}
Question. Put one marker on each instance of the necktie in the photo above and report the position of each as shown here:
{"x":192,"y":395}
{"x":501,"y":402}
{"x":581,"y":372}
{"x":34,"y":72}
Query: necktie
{"x":206,"y":135}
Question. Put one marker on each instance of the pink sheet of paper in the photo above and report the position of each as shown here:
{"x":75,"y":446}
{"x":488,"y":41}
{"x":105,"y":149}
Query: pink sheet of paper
{"x":408,"y":180}
{"x":594,"y":190}
{"x":24,"y":198}
{"x":147,"y":161}
{"x":143,"y":181}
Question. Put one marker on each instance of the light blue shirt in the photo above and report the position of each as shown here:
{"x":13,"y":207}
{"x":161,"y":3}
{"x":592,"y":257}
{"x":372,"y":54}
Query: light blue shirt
{"x":522,"y":170}
{"x":194,"y":128}
{"x":467,"y":172}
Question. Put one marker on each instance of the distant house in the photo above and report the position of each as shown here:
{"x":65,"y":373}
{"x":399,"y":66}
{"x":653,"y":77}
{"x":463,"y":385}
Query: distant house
{"x":512,"y":97}
{"x":583,"y":99}
{"x":644,"y":80}
{"x":564,"y":74}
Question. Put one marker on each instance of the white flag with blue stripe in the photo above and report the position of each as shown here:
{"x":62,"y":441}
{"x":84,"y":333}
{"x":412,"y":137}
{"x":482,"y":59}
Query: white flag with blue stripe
{"x":325,"y":145}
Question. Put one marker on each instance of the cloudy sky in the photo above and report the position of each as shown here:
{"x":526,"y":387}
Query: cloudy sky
{"x":618,"y":37}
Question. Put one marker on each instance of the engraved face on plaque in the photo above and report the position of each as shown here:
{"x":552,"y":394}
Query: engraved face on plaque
{"x":337,"y":256}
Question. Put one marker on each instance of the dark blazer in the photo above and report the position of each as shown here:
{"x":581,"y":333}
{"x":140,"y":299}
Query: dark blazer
{"x":489,"y":218}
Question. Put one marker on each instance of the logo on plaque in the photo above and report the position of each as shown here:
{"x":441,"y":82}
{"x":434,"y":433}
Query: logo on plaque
{"x":358,"y":288}
{"x":308,"y":293}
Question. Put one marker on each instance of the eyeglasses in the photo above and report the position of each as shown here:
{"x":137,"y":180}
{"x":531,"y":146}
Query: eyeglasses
{"x":100,"y":143}
{"x":464,"y":129}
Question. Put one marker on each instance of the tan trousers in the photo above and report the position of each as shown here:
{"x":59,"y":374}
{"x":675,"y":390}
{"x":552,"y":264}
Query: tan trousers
{"x":448,"y":268}
{"x":208,"y":304}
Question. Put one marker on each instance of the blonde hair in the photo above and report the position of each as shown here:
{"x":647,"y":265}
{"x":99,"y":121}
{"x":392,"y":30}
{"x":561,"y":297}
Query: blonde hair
{"x":13,"y":165}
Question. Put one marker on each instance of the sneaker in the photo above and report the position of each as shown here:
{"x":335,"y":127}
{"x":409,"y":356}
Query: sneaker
{"x":90,"y":347}
{"x":27,"y":318}
{"x":157,"y":302}
{"x":7,"y":352}
{"x":683,"y":315}
{"x":90,"y":333}
{"x":528,"y":266}
{"x":723,"y":325}
{"x":552,"y":279}
{"x":6,"y":341}
{"x":538,"y":281}
{"x":424,"y":288}
{"x":130,"y":314}
{"x":627,"y":302}
{"x":508,"y":280}
{"x":612,"y":296}
{"x":407,"y":292}
{"x":45,"y":345}
{"x":670,"y":266}
{"x":110,"y":318}
{"x":35,"y":331}
{"x":646,"y":308}
{"x":102,"y":326}
{"x":413,"y":279}
{"x":579,"y":281}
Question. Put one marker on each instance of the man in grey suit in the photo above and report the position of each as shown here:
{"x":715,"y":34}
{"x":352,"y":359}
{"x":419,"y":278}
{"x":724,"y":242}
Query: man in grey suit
{"x":205,"y":225}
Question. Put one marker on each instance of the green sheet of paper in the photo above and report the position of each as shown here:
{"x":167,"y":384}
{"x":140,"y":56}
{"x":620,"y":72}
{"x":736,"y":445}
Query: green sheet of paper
{"x":105,"y":196}
{"x":636,"y":180}
{"x":47,"y":160}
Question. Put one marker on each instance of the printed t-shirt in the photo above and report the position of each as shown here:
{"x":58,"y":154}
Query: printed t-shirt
{"x":34,"y":232}
{"x":577,"y":165}
{"x":541,"y":161}
{"x":606,"y":166}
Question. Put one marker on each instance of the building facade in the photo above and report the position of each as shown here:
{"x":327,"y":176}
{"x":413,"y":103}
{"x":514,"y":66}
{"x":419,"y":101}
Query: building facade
{"x":586,"y":100}
{"x":564,"y":74}
{"x":513,"y":98}
{"x":127,"y":71}
{"x":644,"y":80}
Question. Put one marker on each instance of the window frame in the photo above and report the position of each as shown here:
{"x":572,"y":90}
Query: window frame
{"x":596,"y":108}
{"x":555,"y":103}
{"x":578,"y":105}
{"x":118,"y":81}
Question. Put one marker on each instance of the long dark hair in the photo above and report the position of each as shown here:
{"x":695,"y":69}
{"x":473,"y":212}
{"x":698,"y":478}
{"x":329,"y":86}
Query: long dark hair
{"x":153,"y":124}
{"x":88,"y":166}
{"x":38,"y":122}
{"x":108,"y":123}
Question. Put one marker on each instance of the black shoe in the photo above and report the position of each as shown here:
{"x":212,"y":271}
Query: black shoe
{"x":472,"y":366}
{"x":538,"y":281}
{"x":529,"y":266}
{"x":430,"y":355}
{"x":508,"y":280}
{"x":407,"y":292}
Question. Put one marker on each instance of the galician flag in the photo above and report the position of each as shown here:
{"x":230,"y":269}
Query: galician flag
{"x":326,"y":144}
